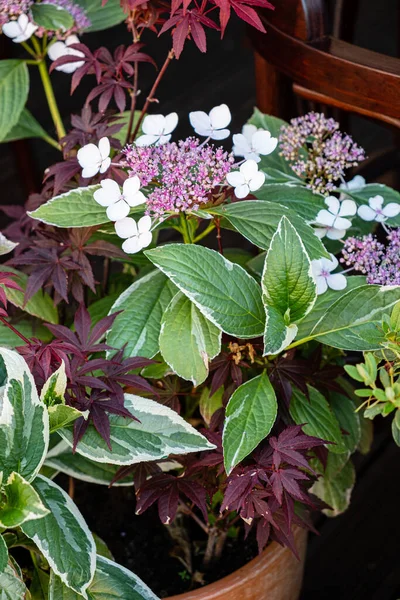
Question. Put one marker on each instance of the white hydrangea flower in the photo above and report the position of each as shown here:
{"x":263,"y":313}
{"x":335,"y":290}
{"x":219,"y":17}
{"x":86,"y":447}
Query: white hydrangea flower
{"x":157,"y":129}
{"x":247,"y":179}
{"x":375,"y":211}
{"x":6,"y":245}
{"x":357,"y":183}
{"x":119,"y":205}
{"x":324,"y":278}
{"x":252,"y":142}
{"x":20,"y":30}
{"x":212,"y":125}
{"x":59,"y":49}
{"x":331,"y":222}
{"x":136,"y":235}
{"x":94,"y":159}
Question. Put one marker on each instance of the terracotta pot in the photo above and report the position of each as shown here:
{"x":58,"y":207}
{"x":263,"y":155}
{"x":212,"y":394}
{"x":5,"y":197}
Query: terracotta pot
{"x":274,"y":575}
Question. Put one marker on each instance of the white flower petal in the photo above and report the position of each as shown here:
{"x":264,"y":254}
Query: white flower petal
{"x":241,"y":146}
{"x":257,"y":181}
{"x":333,"y":204}
{"x":320,"y":232}
{"x":252,"y":156}
{"x":342,"y":223}
{"x":89,"y":155}
{"x":248,"y":131}
{"x":242,"y":191}
{"x":219,"y":134}
{"x":108,"y":194}
{"x":329,"y":264}
{"x":263,"y":143}
{"x":220,"y":116}
{"x":357,"y":183}
{"x":348,"y":208}
{"x":56,"y":50}
{"x":249,"y":169}
{"x":153,"y":125}
{"x":126,"y":228}
{"x":171,"y":121}
{"x":391,"y":210}
{"x":380,"y":218}
{"x":11,"y":29}
{"x":104,"y":148}
{"x":132,"y":245}
{"x":163,"y":139}
{"x":366,"y":213}
{"x":316,"y":268}
{"x":376,"y":202}
{"x":72,"y":39}
{"x":201,"y":123}
{"x":130,"y":187}
{"x":90,"y":171}
{"x":105,"y":164}
{"x":117,"y":211}
{"x":136,"y":200}
{"x":146,"y":140}
{"x":324,"y":217}
{"x":335,"y":234}
{"x":337,"y":281}
{"x":322,"y":286}
{"x":144,"y":224}
{"x":235,"y":178}
{"x":145,"y":239}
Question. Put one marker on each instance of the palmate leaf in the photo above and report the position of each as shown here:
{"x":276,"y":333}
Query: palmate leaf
{"x":63,"y":536}
{"x":223,"y":291}
{"x":250,"y":415}
{"x":158,"y":433}
{"x":110,"y":582}
{"x":188,"y":341}
{"x":289,"y":289}
{"x":24,"y":424}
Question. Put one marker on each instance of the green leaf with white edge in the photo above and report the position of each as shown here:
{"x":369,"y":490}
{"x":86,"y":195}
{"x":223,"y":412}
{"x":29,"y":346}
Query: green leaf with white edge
{"x":3,"y":554}
{"x":318,"y":417}
{"x":14,"y":88}
{"x":344,"y":410}
{"x":102,"y":16}
{"x":336,"y":492}
{"x":276,"y":177}
{"x":209,"y":404}
{"x":40,"y":305}
{"x":76,"y":208}
{"x":288,"y":287}
{"x":52,"y":17}
{"x":27,"y":126}
{"x":256,"y":264}
{"x":9,"y":339}
{"x":257,"y":221}
{"x":353,"y":321}
{"x":61,"y":415}
{"x":100,"y":308}
{"x":273,"y":125}
{"x":63,"y":537}
{"x":24,"y":423}
{"x":250,"y":415}
{"x":11,"y":586}
{"x":299,"y":200}
{"x":158,"y":370}
{"x":188,"y":341}
{"x":323,"y":304}
{"x":137,"y":328}
{"x":54,"y":388}
{"x":62,"y":459}
{"x":111,"y":582}
{"x":159,"y":432}
{"x":223,"y":291}
{"x":39,"y":588}
{"x":21,"y":503}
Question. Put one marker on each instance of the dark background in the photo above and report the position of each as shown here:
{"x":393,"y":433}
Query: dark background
{"x":356,"y":555}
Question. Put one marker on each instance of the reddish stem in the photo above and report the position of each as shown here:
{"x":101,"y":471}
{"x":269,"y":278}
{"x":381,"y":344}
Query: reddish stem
{"x":219,"y":238}
{"x":133,"y":103}
{"x":18,"y":333}
{"x":153,"y":90}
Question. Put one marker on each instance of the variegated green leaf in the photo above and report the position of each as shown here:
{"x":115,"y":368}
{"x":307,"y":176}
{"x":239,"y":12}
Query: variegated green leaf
{"x":54,"y":388}
{"x":21,"y":503}
{"x":11,"y":585}
{"x":3,"y":554}
{"x":336,"y":492}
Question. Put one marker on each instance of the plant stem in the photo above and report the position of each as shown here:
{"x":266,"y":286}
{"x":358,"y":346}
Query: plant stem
{"x":204,"y":233}
{"x":153,"y":90}
{"x":18,"y":333}
{"x":28,"y":49}
{"x":219,"y":238}
{"x":184,"y":229}
{"x":187,"y":511}
{"x":133,"y":102}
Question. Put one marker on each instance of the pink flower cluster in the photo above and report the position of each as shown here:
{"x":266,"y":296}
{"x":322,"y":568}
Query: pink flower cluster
{"x":380,"y":263}
{"x":184,"y":174}
{"x":318,"y":151}
{"x":13,"y":8}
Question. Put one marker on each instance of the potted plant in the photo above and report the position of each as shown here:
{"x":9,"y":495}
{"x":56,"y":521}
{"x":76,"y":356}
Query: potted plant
{"x":176,"y":317}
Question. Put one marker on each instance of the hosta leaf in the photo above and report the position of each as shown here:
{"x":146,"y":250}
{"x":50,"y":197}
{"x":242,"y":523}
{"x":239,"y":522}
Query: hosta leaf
{"x":63,"y":536}
{"x":349,"y":420}
{"x":3,"y":555}
{"x":40,"y":305}
{"x":188,"y":341}
{"x":77,"y":466}
{"x":336,"y":492}
{"x":102,"y":16}
{"x":11,"y":586}
{"x":52,"y":17}
{"x":289,"y":289}
{"x":353,"y":321}
{"x":27,"y":126}
{"x":250,"y":415}
{"x":76,"y":208}
{"x":21,"y":503}
{"x":137,"y":328}
{"x":24,"y":424}
{"x":159,"y":432}
{"x":257,"y":221}
{"x":14,"y":88}
{"x":54,"y":388}
{"x":224,"y":293}
{"x":300,"y":200}
{"x":324,"y":302}
{"x":319,"y":419}
{"x":111,"y":582}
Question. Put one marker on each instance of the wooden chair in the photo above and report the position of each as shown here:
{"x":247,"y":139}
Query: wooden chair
{"x":297,"y":55}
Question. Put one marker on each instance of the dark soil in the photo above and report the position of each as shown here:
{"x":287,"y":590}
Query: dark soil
{"x":143,"y":544}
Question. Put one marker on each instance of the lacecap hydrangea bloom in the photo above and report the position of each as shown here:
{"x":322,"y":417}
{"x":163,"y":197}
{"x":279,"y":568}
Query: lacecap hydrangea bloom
{"x":11,"y":9}
{"x":380,"y":263}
